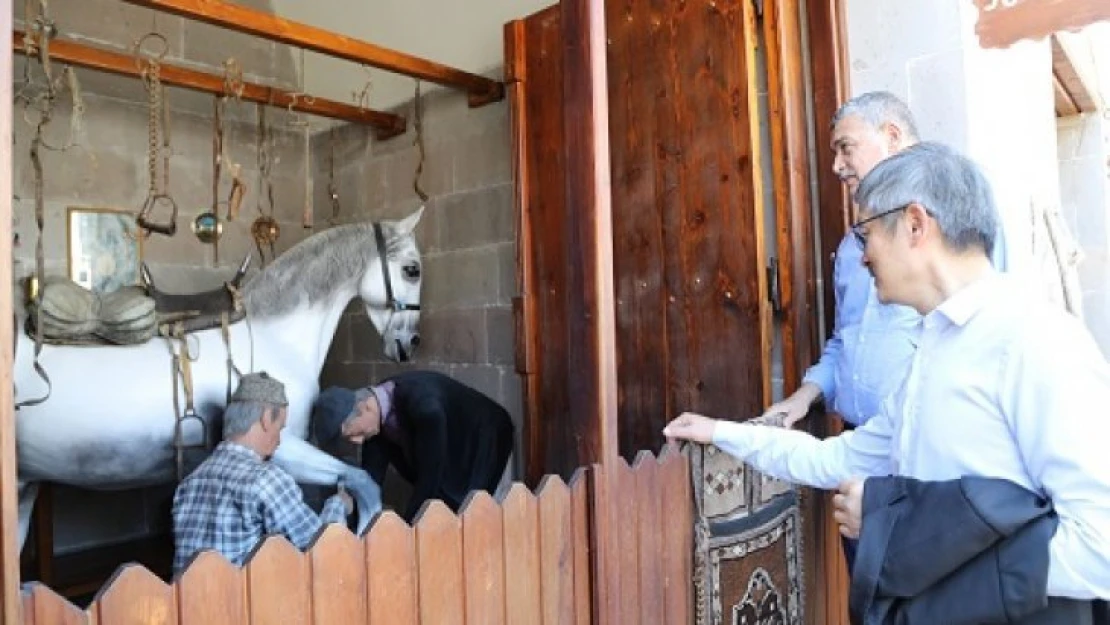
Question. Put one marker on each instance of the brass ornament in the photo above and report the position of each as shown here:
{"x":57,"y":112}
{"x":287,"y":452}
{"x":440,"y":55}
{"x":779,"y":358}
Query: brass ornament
{"x":207,"y":227}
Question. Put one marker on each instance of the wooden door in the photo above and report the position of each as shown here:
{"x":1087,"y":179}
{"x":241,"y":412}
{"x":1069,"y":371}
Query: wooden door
{"x":691,"y":309}
{"x":693,"y":317}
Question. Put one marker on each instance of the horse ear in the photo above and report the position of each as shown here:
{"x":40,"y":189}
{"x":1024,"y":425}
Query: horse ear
{"x":406,"y":226}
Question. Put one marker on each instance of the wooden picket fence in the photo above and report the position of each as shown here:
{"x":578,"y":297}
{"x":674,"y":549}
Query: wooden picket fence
{"x":525,"y":559}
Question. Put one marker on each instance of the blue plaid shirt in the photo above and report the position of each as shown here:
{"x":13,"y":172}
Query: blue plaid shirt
{"x":234,"y":499}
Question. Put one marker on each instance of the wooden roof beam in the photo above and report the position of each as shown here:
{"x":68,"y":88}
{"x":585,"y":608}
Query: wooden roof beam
{"x":1074,"y":73}
{"x":264,"y":25}
{"x":80,"y":55}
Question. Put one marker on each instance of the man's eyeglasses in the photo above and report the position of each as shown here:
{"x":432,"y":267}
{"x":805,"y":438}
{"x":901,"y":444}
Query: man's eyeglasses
{"x":861,"y":236}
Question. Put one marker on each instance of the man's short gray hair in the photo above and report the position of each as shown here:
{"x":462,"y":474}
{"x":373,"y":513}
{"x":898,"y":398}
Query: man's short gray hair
{"x":241,"y":415}
{"x":950,"y":187}
{"x":878,"y":108}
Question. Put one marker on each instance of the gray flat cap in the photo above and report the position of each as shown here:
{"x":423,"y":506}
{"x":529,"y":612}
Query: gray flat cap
{"x":260,"y":387}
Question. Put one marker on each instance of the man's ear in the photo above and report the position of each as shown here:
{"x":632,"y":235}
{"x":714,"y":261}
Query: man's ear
{"x":269,"y":417}
{"x":894,"y":136}
{"x":918,"y":221}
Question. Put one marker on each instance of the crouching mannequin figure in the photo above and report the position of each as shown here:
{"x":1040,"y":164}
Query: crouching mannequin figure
{"x":444,"y":437}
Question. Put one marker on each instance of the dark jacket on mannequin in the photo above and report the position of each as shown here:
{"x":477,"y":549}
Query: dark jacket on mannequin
{"x":454,"y":439}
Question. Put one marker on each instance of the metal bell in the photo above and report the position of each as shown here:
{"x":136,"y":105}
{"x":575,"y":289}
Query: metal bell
{"x":207,"y":227}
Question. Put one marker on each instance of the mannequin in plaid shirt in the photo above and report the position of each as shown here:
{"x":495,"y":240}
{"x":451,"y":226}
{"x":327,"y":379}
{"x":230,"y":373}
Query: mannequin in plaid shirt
{"x":237,"y":496}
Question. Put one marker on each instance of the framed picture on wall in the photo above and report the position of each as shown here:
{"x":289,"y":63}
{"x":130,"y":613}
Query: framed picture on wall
{"x":105,"y":248}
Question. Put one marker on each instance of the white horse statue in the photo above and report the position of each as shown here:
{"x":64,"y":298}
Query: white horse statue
{"x":109,"y":422}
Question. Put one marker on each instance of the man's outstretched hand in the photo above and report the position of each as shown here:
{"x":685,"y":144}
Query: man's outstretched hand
{"x":690,"y":426}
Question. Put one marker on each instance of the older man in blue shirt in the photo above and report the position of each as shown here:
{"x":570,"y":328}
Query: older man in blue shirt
{"x":872,"y":343}
{"x":1003,"y":383}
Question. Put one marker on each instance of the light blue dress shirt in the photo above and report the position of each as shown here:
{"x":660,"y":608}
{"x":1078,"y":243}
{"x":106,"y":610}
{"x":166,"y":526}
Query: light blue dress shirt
{"x":1003,"y":385}
{"x":872,"y":343}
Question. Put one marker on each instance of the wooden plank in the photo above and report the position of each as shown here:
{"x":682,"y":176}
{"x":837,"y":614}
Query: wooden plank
{"x":43,"y":606}
{"x":543,"y":257}
{"x":556,"y":561}
{"x":580,"y":525}
{"x":648,"y":502}
{"x":483,"y":559}
{"x":1005,"y":22}
{"x":520,"y":514}
{"x":829,"y":88}
{"x":264,"y":25}
{"x":278,"y":584}
{"x":826,"y":584}
{"x":1073,"y":67}
{"x":391,"y":572}
{"x":591,"y":336}
{"x":623,"y":496}
{"x":790,"y":172}
{"x":1065,"y":105}
{"x":716,"y":247}
{"x":639,"y":45}
{"x":211,"y":591}
{"x":338,"y":577}
{"x":439,"y":561}
{"x":80,"y":55}
{"x":9,"y":498}
{"x":677,"y":530}
{"x":135,"y":596}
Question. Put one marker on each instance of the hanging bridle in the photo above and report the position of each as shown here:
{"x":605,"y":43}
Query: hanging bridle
{"x":392,"y":303}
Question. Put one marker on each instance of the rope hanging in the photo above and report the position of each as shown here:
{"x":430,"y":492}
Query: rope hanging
{"x":265,"y":229}
{"x":418,"y":141}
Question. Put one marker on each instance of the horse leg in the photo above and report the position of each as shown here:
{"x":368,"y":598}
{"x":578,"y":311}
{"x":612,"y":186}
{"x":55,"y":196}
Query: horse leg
{"x":28,"y":491}
{"x":309,"y":465}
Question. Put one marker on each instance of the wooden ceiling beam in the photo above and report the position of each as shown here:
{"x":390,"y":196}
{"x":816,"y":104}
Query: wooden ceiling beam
{"x":80,"y":55}
{"x":264,"y":25}
{"x":1073,"y":72}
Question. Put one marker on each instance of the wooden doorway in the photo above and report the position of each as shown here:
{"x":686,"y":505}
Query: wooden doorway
{"x":712,"y":111}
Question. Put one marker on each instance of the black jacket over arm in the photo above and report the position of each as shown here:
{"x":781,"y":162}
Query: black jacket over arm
{"x":969,"y":551}
{"x":459,"y":440}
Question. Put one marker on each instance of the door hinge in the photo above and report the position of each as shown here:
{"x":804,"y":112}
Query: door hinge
{"x":774,"y":287}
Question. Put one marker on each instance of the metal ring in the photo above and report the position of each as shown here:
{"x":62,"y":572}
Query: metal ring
{"x":138,"y":48}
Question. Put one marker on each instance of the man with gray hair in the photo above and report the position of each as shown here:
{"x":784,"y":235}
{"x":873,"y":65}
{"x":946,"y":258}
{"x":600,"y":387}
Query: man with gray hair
{"x":1003,"y":384}
{"x":237,"y":496}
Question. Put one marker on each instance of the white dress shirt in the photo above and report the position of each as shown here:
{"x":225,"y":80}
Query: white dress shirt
{"x":1003,"y":385}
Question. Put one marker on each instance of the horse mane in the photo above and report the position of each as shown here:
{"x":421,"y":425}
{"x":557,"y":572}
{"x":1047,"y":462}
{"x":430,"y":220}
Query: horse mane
{"x":312,"y":269}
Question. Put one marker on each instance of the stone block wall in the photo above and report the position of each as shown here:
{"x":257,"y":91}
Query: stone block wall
{"x":466,"y":237}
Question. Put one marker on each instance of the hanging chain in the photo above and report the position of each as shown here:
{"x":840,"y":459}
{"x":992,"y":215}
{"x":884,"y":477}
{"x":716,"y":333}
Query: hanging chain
{"x":158,"y":127}
{"x":418,"y":141}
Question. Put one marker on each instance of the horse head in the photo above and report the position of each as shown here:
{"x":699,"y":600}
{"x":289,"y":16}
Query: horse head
{"x":390,"y":287}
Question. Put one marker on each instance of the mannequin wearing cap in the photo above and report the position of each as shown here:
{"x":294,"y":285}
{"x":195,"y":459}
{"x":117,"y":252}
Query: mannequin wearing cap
{"x":441,"y":435}
{"x":237,"y":496}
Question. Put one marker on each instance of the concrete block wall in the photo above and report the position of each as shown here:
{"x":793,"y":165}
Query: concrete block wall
{"x":108,"y":169}
{"x":1084,"y":144}
{"x":466,"y":236}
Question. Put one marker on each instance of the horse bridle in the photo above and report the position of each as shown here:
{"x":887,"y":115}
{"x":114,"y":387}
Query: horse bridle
{"x":392,"y":303}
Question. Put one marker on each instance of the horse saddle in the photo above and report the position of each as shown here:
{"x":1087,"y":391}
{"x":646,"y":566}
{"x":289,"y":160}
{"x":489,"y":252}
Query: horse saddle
{"x":197,"y":311}
{"x":74,"y":315}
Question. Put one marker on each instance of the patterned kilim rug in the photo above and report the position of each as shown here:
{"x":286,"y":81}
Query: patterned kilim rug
{"x":747,"y":550}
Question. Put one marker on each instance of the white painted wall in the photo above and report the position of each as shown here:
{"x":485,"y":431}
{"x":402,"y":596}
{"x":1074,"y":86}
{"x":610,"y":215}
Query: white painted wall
{"x":466,"y":35}
{"x":996,"y":106}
